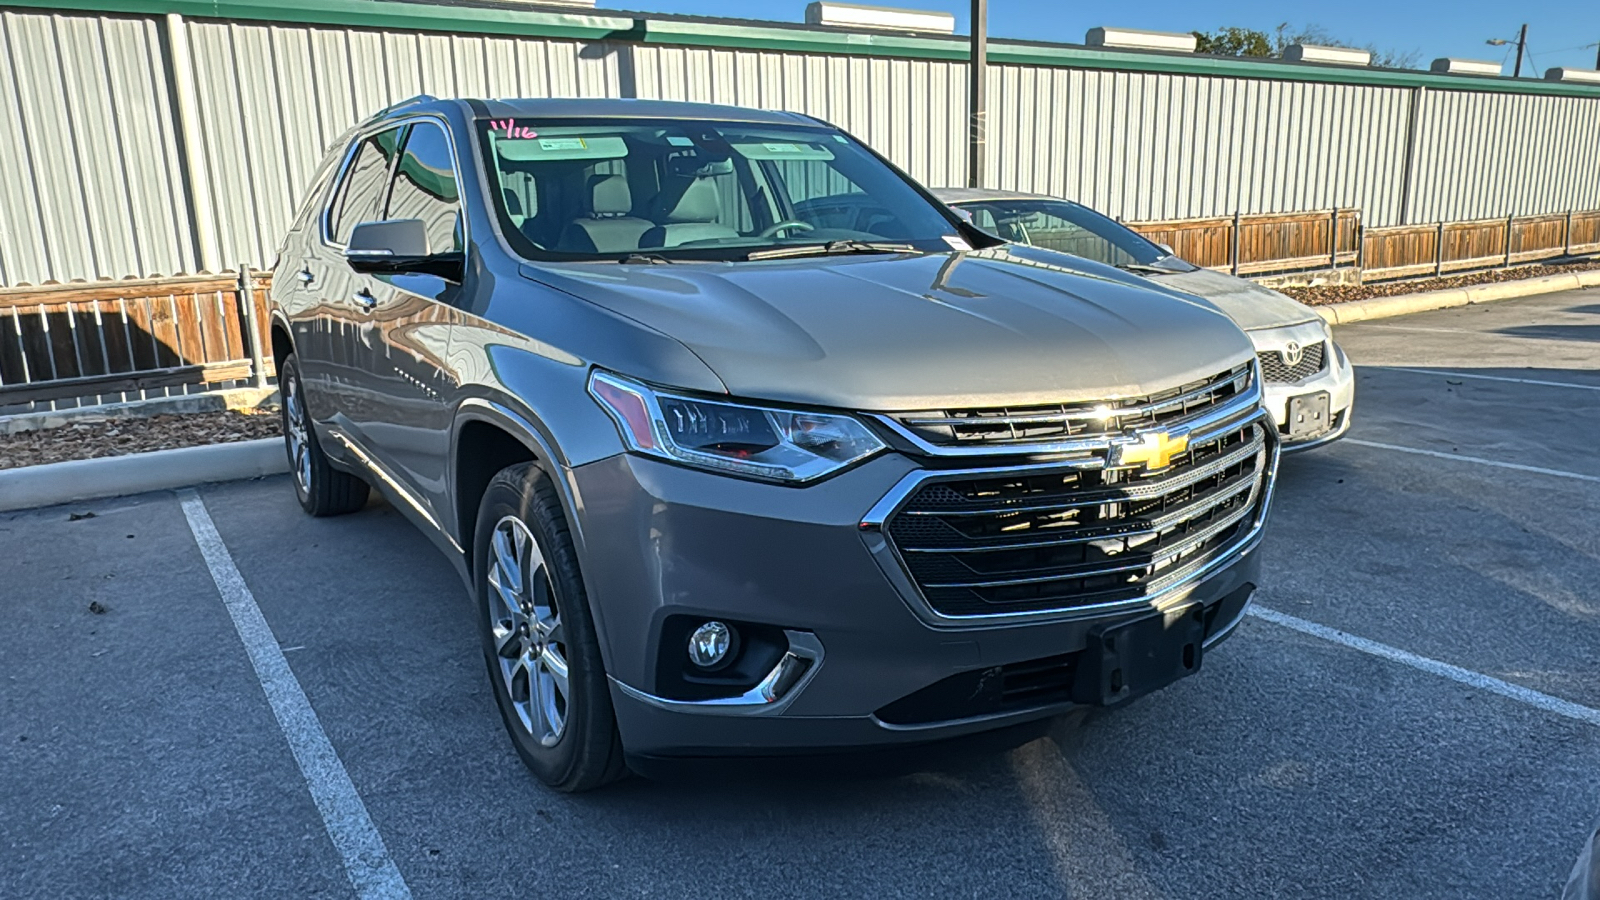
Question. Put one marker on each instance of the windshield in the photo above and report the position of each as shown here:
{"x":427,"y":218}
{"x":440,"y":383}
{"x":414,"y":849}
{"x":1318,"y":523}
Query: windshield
{"x":698,"y":190}
{"x":1067,"y":227}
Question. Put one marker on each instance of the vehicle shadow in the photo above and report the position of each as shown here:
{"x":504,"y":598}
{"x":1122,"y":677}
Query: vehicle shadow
{"x":1554,"y":332}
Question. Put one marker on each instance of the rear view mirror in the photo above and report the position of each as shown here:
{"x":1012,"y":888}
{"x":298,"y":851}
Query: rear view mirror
{"x":396,"y":246}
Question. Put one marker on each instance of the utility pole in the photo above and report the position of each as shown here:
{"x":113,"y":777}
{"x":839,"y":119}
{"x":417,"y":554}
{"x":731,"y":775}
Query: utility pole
{"x":1522,"y":46}
{"x":977,"y":127}
{"x":1597,"y":56}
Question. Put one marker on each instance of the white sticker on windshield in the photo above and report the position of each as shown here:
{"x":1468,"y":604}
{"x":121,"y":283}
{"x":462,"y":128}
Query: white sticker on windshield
{"x":781,"y":148}
{"x":956,"y":243}
{"x":678,"y":140}
{"x":562,"y":144}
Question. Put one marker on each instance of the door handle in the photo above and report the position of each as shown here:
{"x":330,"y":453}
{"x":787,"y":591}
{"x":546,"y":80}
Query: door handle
{"x":306,"y":277}
{"x":364,"y":299}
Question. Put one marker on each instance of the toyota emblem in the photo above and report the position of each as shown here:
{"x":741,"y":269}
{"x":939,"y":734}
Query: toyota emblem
{"x":1292,"y":354}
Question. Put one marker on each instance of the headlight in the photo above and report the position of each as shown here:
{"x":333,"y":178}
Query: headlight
{"x":734,"y":438}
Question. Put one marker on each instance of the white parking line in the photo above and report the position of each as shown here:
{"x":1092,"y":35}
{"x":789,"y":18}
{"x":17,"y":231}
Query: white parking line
{"x":1457,"y":457}
{"x":1467,"y":677}
{"x":366,"y":860}
{"x":1565,"y":384}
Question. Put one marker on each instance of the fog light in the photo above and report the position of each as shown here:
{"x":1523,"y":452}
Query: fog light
{"x":709,"y":644}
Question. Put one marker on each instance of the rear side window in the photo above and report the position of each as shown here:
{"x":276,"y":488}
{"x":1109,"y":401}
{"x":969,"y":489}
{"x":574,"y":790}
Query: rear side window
{"x":425,"y":187}
{"x":361,"y":189}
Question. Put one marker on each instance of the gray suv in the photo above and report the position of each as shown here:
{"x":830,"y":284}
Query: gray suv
{"x":729,"y":474}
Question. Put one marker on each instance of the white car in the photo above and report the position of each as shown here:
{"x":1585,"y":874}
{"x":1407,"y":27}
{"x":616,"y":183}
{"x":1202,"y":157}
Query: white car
{"x":1310,"y":386}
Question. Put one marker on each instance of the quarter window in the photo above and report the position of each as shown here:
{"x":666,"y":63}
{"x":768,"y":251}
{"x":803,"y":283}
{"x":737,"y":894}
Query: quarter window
{"x":425,"y":187}
{"x":360,"y":193}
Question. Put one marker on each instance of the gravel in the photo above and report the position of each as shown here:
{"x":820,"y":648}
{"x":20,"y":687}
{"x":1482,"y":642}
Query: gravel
{"x":89,"y":439}
{"x":1323,"y":295}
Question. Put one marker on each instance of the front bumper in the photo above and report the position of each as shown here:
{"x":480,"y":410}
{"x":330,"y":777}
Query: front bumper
{"x":662,"y":541}
{"x":1337,"y":378}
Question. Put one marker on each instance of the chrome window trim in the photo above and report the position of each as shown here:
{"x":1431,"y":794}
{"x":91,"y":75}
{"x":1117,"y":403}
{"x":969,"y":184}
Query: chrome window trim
{"x":349,"y":157}
{"x":873,"y":524}
{"x":1237,"y":407}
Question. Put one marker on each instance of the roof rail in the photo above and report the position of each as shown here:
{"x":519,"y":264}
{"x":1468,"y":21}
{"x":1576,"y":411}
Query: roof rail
{"x":402,"y":104}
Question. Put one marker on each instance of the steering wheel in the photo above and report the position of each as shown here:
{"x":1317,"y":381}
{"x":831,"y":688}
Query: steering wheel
{"x":771,"y":230}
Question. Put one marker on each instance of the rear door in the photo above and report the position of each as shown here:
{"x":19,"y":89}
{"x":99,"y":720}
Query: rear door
{"x":404,"y":415}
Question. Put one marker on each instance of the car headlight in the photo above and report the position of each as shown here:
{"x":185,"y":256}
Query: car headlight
{"x":781,"y":445}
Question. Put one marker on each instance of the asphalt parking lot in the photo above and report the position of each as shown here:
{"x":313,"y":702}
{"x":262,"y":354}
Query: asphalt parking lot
{"x":1412,"y":713}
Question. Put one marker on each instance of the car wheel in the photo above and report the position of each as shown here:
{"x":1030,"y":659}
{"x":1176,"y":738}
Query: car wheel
{"x":539,"y":638}
{"x":321,"y":489}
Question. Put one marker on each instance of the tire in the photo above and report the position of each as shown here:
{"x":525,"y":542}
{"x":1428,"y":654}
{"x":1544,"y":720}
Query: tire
{"x":321,"y":489}
{"x":535,"y":622}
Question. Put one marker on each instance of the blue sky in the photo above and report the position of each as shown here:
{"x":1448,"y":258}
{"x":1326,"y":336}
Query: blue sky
{"x":1556,"y":28}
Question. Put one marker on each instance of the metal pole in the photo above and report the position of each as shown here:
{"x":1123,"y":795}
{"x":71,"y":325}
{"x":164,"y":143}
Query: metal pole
{"x":252,"y":327}
{"x":1566,"y":238}
{"x":1438,"y":251}
{"x":1361,"y":248}
{"x":1233,"y":245}
{"x":1522,"y":45}
{"x":1333,"y":241}
{"x":181,"y":77}
{"x":977,"y":127}
{"x":1509,"y":221}
{"x":1413,"y":114}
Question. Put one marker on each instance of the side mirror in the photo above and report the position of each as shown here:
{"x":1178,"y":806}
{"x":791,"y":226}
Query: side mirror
{"x":397,"y":246}
{"x":1167,"y":249}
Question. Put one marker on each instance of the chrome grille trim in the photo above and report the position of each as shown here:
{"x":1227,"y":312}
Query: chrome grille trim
{"x":1236,"y":408}
{"x":1160,"y":591}
{"x":1169,"y":553}
{"x":1086,"y":415}
{"x":1131,"y":492}
{"x":1151,"y":527}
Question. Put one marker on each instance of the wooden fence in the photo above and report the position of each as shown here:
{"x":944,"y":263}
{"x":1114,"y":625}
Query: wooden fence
{"x":99,"y":343}
{"x":1411,"y":250}
{"x":122,"y":340}
{"x":1247,"y":244}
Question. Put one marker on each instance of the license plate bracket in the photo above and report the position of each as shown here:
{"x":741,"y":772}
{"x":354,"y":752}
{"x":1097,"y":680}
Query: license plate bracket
{"x":1310,"y":414}
{"x":1133,"y":658}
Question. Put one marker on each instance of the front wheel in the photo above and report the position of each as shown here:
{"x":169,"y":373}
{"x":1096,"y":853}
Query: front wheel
{"x":321,"y":489}
{"x":538,"y":637}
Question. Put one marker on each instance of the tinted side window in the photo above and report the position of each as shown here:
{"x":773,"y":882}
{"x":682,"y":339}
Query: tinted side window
{"x":425,"y":187}
{"x":358,"y":196}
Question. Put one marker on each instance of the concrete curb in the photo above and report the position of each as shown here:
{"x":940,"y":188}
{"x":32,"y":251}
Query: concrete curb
{"x":1383,"y":307}
{"x":136,"y":473}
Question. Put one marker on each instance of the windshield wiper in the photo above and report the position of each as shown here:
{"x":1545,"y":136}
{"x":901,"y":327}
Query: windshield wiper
{"x":654,"y":259}
{"x":1147,"y":267}
{"x":830,"y":248}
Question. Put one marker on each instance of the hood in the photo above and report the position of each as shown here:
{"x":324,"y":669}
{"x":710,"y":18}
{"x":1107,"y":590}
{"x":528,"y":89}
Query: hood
{"x":1247,"y":303}
{"x":906,"y":332}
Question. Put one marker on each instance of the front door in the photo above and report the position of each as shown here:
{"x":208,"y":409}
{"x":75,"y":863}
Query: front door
{"x":404,"y":415}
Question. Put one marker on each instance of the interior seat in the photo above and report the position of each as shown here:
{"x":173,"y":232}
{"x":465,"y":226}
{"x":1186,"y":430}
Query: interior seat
{"x":686,"y":215}
{"x":610,"y":226}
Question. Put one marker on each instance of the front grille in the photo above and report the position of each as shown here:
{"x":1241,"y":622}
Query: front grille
{"x":1276,"y":369}
{"x":1029,"y":541}
{"x":1064,"y":421}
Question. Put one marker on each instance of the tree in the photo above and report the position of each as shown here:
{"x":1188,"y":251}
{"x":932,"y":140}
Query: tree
{"x":1233,"y":40}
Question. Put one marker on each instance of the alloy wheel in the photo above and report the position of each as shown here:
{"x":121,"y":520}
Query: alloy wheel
{"x":525,"y":621}
{"x":295,"y":432}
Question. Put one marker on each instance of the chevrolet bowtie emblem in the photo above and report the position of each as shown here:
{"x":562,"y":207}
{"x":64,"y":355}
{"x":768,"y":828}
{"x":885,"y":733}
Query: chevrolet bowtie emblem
{"x":1153,"y":450}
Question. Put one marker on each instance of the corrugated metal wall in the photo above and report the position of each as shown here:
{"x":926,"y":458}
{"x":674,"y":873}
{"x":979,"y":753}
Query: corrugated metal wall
{"x":1492,"y":155}
{"x":90,"y":181}
{"x":97,"y":188}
